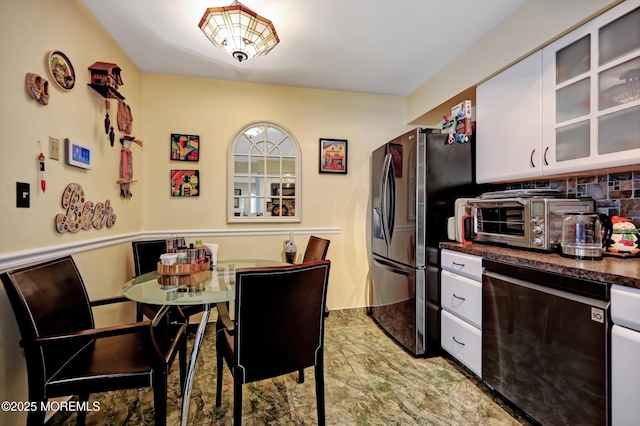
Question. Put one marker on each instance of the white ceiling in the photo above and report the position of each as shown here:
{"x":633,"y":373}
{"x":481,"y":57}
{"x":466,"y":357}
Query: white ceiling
{"x":386,"y":47}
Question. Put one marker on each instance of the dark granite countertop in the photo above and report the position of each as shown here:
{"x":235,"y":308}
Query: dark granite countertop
{"x":610,"y":270}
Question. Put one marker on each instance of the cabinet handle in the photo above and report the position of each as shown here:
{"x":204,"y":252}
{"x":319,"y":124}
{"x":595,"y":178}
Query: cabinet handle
{"x":531,"y":159}
{"x":458,"y":264}
{"x":456,"y":340}
{"x":545,"y":156}
{"x":458,"y":297}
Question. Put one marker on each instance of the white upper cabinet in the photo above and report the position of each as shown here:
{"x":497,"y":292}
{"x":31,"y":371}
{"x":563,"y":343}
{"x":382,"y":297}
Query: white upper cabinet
{"x":591,"y":94}
{"x":509,"y":117}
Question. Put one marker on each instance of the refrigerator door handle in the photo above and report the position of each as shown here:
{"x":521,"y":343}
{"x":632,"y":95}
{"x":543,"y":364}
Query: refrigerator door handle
{"x":383,"y":198}
{"x":392,"y":213}
{"x":390,"y":267}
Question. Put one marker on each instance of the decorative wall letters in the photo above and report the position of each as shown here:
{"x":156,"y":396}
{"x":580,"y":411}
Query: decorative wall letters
{"x":81,"y":215}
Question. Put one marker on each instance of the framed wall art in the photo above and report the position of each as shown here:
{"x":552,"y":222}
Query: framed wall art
{"x":185,"y":183}
{"x":236,"y":201}
{"x":333,"y":156}
{"x":185,"y":147}
{"x":396,"y":155}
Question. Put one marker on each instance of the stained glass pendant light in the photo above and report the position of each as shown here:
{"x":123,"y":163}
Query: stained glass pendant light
{"x":239,"y":31}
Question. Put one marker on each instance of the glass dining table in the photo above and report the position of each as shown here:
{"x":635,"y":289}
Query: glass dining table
{"x":201,"y":288}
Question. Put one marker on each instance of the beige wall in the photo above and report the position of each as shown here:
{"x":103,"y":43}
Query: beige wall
{"x":77,"y":114}
{"x":216,"y":110}
{"x":534,"y":25}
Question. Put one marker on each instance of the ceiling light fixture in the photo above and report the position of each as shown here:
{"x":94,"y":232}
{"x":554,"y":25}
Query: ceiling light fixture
{"x":239,"y":31}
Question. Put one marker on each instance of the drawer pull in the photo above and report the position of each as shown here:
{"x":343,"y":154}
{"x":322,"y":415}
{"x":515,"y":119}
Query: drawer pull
{"x":458,"y":297}
{"x":458,"y":264}
{"x":455,"y":340}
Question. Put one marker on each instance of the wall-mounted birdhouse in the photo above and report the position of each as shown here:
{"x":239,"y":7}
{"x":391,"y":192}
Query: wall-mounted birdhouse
{"x":105,"y":79}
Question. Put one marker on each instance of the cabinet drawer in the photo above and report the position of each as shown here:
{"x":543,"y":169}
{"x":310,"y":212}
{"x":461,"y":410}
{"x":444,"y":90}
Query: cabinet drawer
{"x":625,"y":306}
{"x":462,"y":297}
{"x":463,"y":341}
{"x":461,"y":263}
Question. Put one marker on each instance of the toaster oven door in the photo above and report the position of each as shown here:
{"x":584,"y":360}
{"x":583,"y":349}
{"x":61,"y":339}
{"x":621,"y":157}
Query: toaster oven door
{"x":503,"y":222}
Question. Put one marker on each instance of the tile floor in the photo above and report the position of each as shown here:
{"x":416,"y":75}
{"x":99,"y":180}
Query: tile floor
{"x":369,"y":380}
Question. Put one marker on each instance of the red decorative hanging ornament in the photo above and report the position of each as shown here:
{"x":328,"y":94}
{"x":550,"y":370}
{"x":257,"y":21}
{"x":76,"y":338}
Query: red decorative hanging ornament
{"x":43,"y":181}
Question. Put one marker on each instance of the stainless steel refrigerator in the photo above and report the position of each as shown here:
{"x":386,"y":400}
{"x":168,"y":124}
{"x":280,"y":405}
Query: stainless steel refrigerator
{"x":415,"y":181}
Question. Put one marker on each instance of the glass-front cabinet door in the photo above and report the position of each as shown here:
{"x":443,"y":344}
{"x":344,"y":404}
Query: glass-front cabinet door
{"x":591,"y":94}
{"x":264,"y":175}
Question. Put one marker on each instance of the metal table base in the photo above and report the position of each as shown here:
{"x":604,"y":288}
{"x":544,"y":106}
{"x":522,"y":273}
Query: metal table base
{"x":195,"y":350}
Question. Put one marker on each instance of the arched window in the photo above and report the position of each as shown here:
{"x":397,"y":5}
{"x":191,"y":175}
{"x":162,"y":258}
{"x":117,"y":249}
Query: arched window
{"x":264,"y":175}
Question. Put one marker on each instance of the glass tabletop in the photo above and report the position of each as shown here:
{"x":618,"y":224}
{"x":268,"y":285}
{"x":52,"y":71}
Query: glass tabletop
{"x":216,"y":285}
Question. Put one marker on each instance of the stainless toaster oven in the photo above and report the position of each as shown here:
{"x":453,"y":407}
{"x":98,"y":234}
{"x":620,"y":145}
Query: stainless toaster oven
{"x":531,"y":223}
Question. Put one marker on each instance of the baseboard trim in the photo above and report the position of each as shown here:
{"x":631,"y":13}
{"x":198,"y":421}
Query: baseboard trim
{"x":26,"y":257}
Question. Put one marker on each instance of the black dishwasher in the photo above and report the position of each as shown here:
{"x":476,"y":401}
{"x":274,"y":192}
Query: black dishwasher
{"x":545,"y":343}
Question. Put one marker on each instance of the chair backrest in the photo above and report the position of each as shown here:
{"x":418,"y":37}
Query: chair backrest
{"x":279,"y":318}
{"x":48,"y":299}
{"x":146,"y":255}
{"x":316,"y":249}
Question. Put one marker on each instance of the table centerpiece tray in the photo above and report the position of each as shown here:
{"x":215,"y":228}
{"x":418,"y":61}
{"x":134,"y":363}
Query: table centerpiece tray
{"x":182,"y":268}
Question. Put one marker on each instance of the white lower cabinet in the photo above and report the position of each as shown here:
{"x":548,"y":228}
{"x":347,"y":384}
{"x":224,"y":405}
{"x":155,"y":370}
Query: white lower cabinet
{"x":462,"y":340}
{"x":625,"y":356}
{"x":462,"y":297}
{"x":461,"y":301}
{"x":625,"y":374}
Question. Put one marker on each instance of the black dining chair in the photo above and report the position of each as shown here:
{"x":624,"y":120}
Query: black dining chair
{"x":278,"y":329}
{"x":316,"y":249}
{"x":146,"y":255}
{"x":67,"y":355}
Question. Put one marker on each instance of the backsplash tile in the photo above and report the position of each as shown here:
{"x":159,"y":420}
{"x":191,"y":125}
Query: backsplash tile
{"x":615,"y":193}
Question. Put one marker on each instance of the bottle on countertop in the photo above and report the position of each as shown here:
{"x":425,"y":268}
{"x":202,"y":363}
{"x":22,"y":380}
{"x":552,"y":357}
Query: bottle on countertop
{"x":290,"y":250}
{"x":193,"y":254}
{"x":204,"y":254}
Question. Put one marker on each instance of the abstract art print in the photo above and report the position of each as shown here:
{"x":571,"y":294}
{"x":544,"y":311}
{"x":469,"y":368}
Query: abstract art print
{"x":185,"y":147}
{"x":185,"y":183}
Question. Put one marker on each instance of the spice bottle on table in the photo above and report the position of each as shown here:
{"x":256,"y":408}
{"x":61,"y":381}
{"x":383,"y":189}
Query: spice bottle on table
{"x":193,"y":254}
{"x":202,"y":256}
{"x":290,"y":250}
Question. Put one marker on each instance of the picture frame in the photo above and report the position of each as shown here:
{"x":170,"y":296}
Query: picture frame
{"x":185,"y":183}
{"x":236,"y":201}
{"x":396,"y":155}
{"x":333,"y":156}
{"x":185,"y":147}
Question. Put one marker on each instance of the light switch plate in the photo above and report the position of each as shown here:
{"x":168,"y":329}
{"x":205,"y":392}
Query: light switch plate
{"x":23,"y":194}
{"x":54,"y":149}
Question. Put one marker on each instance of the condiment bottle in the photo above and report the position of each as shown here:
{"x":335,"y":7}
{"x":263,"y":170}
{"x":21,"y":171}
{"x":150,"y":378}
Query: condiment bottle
{"x":192,"y":252}
{"x":202,"y":252}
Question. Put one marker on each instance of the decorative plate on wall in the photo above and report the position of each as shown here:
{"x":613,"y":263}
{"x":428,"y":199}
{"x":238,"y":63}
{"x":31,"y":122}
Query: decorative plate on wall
{"x":62,"y":70}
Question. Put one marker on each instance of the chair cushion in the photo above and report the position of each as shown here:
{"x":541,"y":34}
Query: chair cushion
{"x":111,"y":363}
